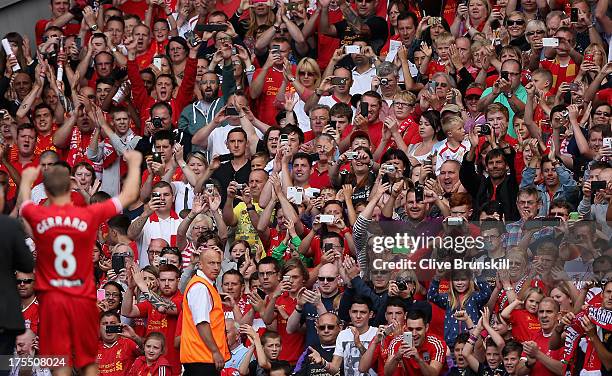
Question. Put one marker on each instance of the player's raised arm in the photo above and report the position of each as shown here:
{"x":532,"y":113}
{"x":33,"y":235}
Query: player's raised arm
{"x":28,"y":177}
{"x":131,"y":185}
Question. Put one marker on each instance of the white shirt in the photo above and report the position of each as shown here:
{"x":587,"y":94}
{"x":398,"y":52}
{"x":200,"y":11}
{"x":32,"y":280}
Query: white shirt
{"x":302,"y":117}
{"x":38,"y":193}
{"x":218,"y":137}
{"x":345,"y":347}
{"x":157,"y":228}
{"x":330,"y":101}
{"x":362,"y":82}
{"x":444,"y":153}
{"x":179,"y":194}
{"x":200,"y":300}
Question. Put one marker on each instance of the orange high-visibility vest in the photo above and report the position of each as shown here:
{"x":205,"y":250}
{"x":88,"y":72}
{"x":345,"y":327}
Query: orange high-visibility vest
{"x":193,"y":348}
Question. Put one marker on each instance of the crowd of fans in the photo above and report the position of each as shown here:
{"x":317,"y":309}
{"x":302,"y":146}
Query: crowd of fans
{"x":287,"y":136}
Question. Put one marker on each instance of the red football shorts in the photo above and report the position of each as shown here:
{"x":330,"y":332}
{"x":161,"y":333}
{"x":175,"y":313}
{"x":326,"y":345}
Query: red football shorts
{"x":69,"y":327}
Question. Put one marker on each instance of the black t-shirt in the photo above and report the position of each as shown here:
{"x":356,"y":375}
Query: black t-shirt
{"x":256,"y":370}
{"x":308,"y":369}
{"x":226,"y":173}
{"x":485,"y":370}
{"x":607,"y":341}
{"x":455,"y":371}
{"x":379,"y":31}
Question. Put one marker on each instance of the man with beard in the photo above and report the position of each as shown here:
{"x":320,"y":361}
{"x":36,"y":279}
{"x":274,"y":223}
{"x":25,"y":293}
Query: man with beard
{"x":120,"y":138}
{"x":162,"y":311}
{"x":195,"y":116}
{"x":541,"y":359}
{"x":29,"y":304}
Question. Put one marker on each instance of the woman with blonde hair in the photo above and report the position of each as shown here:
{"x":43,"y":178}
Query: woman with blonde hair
{"x":260,"y":14}
{"x":307,"y":80}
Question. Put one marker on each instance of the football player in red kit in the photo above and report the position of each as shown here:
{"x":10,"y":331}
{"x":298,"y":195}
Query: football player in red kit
{"x":64,"y":235}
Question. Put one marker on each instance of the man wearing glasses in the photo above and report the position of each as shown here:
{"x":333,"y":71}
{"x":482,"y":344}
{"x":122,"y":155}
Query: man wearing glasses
{"x":506,"y":90}
{"x":327,"y":329}
{"x":29,"y":303}
{"x":312,"y":305}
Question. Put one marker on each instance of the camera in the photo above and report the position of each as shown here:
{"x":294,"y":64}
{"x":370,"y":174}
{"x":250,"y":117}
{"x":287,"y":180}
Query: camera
{"x":485,"y":129}
{"x":384,"y":81}
{"x":388,"y":168}
{"x":157,"y":122}
{"x":350,"y":155}
{"x":402,"y":285}
{"x":419,"y":193}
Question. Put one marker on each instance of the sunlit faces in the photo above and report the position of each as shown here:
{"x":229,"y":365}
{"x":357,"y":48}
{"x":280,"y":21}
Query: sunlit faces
{"x":416,"y":210}
{"x":360,"y":314}
{"x":166,"y":198}
{"x":142,"y":35}
{"x":373,"y":108}
{"x":418,"y":328}
{"x":43,"y":120}
{"x":301,"y":170}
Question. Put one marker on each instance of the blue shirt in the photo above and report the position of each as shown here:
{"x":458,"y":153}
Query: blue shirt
{"x":520,"y":93}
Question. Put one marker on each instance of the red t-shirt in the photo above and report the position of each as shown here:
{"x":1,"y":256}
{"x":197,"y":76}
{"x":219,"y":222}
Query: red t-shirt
{"x":560,"y":74}
{"x":319,"y":179}
{"x":64,"y":238}
{"x":326,"y":44}
{"x":165,"y":324}
{"x":30,"y":316}
{"x":161,"y":367}
{"x":138,"y":8}
{"x":381,"y":355}
{"x":264,"y":104}
{"x":77,"y":149}
{"x":44,"y":143}
{"x":293,"y":344}
{"x":539,"y":368}
{"x":432,"y":348}
{"x":525,"y":325}
{"x":374,"y":132}
{"x":229,"y":9}
{"x":116,"y":359}
{"x":315,"y":245}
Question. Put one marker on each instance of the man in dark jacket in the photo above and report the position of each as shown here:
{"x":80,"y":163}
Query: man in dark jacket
{"x":498,"y":185}
{"x":16,"y":256}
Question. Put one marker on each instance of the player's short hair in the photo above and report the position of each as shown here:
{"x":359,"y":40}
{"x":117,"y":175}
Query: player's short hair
{"x":120,"y":223}
{"x":268,"y":335}
{"x":56,"y":181}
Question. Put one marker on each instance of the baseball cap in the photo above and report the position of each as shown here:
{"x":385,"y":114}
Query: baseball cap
{"x":474,"y":91}
{"x":451,"y":107}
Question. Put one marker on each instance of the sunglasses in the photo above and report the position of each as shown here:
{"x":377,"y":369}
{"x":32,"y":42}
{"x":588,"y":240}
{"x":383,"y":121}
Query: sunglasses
{"x":306,"y":73}
{"x":327,"y":327}
{"x":326,"y":279}
{"x":532,"y":33}
{"x":403,"y":104}
{"x":601,"y":113}
{"x":25,"y":281}
{"x":515,"y":22}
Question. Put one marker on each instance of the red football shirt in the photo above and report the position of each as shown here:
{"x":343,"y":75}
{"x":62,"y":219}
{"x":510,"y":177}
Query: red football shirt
{"x":539,"y":368}
{"x":293,"y":344}
{"x":374,"y":132}
{"x":165,"y":324}
{"x":264,"y":104}
{"x":525,"y":325}
{"x":432,"y":348}
{"x":64,"y":238}
{"x":116,"y":359}
{"x":30,"y":316}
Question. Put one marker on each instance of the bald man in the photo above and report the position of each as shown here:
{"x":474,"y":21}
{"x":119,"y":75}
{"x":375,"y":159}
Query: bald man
{"x":239,"y":352}
{"x":311,"y":304}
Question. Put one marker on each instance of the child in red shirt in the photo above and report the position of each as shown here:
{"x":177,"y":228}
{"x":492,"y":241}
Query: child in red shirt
{"x":152,"y":363}
{"x":525,"y":323}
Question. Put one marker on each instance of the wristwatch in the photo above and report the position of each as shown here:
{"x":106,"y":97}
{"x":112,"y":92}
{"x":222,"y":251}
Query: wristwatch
{"x":114,"y":49}
{"x":318,"y":92}
{"x":94,"y":27}
{"x":291,"y":79}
